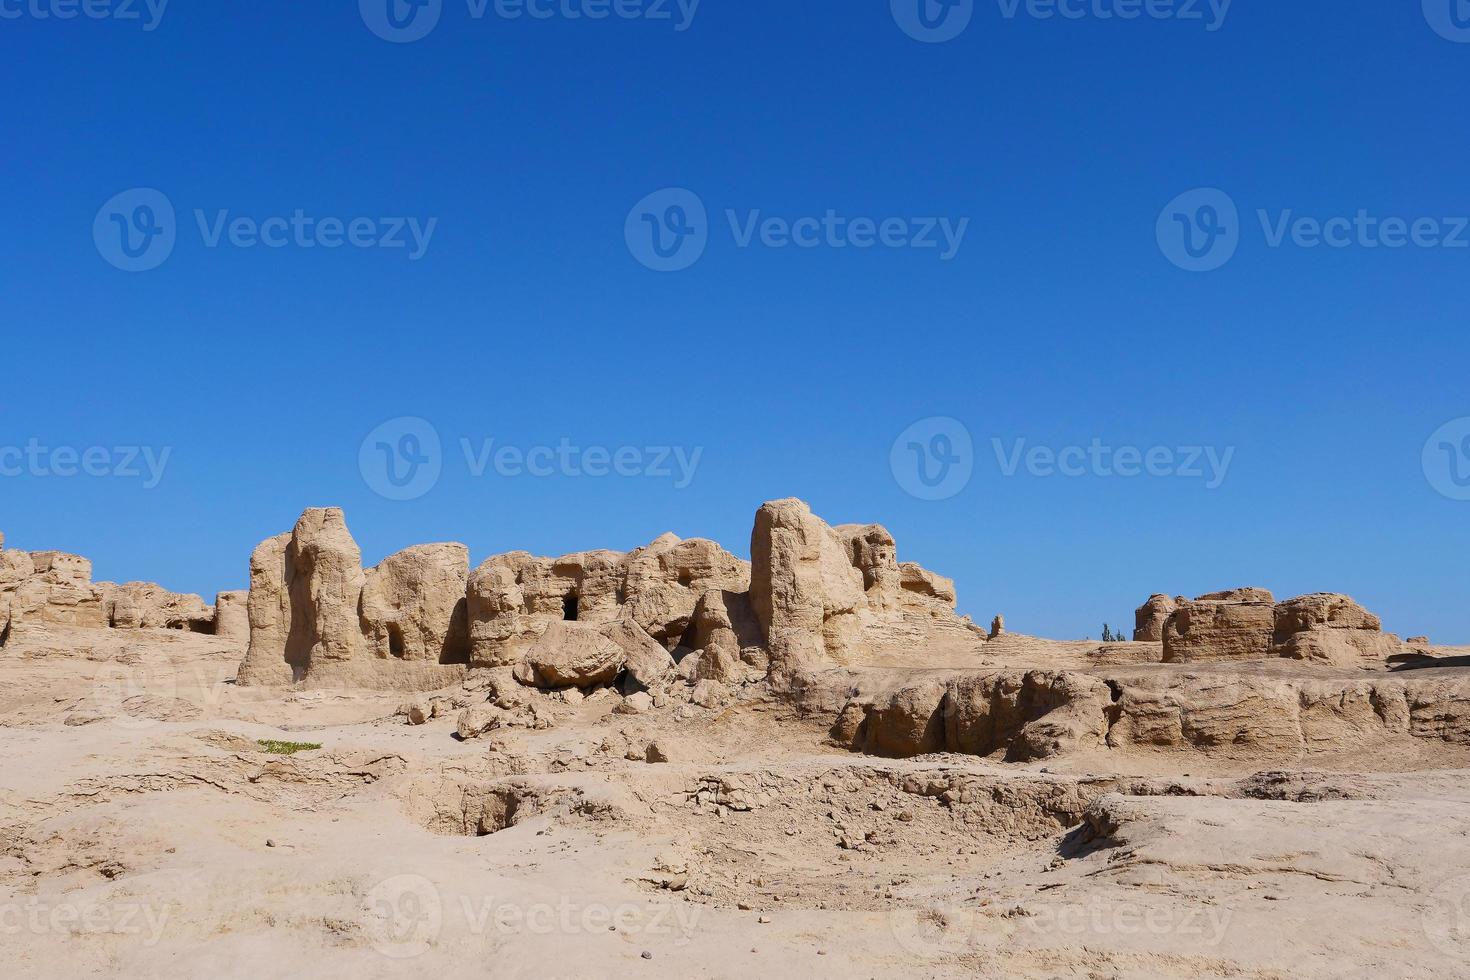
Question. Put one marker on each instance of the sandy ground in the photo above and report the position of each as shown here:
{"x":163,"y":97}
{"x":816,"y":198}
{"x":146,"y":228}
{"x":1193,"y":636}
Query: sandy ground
{"x":144,"y":831}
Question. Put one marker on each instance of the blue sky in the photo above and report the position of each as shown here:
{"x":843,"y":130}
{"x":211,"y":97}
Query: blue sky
{"x":528,"y":319}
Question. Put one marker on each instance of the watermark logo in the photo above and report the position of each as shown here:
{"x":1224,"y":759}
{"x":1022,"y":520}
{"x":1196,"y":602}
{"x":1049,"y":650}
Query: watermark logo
{"x":1199,"y":230}
{"x":668,"y":230}
{"x":933,"y":459}
{"x":406,"y":915}
{"x":403,"y":916}
{"x":401,"y":459}
{"x":1446,"y":459}
{"x":933,"y":21}
{"x":1449,"y":18}
{"x":148,"y":12}
{"x":401,"y":21}
{"x":136,"y":230}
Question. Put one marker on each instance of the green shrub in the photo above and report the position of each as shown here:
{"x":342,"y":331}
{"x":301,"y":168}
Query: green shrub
{"x":286,"y":748}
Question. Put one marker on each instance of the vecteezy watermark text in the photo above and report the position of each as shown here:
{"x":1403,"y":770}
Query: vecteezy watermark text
{"x":934,"y":459}
{"x":403,"y":458}
{"x":404,"y":916}
{"x":34,"y":459}
{"x":936,"y":21}
{"x":942,"y":933}
{"x":1200,"y":230}
{"x":406,"y":21}
{"x":36,"y":917}
{"x":149,"y":13}
{"x":137,"y":230}
{"x":669,"y":230}
{"x":1098,"y":459}
{"x":302,"y":231}
{"x":568,"y":459}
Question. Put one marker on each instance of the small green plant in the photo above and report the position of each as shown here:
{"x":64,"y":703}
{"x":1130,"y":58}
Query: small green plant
{"x":286,"y":748}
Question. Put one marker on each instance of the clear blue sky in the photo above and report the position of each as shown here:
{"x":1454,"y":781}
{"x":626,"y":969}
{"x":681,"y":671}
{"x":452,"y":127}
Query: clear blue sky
{"x":528,"y":320}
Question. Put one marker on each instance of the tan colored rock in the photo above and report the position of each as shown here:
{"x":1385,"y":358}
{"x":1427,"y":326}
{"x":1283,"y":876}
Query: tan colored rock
{"x":232,"y":615}
{"x":804,"y":588}
{"x":147,"y":605}
{"x":1332,"y":629}
{"x":581,"y":587}
{"x":326,"y":588}
{"x":573,"y":655}
{"x":500,"y":629}
{"x":1322,"y":610}
{"x":873,"y":552}
{"x":1026,"y":716}
{"x":1234,"y":625}
{"x":902,"y":723}
{"x":923,"y":586}
{"x":477,"y":721}
{"x":1017,"y":716}
{"x":60,"y":568}
{"x":724,"y":627}
{"x":306,"y":612}
{"x":709,"y":694}
{"x":665,"y":580}
{"x":414,"y":608}
{"x":646,"y":660}
{"x":275,"y":658}
{"x":1149,"y":619}
{"x":15,"y":568}
{"x":50,"y":587}
{"x":997,"y":627}
{"x":514,"y":598}
{"x":1341,"y":648}
{"x":37,"y":601}
{"x":637,"y":703}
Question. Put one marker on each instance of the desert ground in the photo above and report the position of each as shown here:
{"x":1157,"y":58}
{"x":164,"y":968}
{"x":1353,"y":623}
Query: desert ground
{"x":674,"y":763}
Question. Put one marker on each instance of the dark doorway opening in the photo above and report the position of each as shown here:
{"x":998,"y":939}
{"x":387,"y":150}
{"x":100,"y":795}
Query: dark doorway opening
{"x":569,"y":608}
{"x":395,"y":641}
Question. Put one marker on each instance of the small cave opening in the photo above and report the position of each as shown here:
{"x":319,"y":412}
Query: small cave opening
{"x":569,"y":608}
{"x":686,"y":578}
{"x":395,"y":640}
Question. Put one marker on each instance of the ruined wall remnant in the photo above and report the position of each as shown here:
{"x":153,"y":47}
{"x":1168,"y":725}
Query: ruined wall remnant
{"x":421,"y":617}
{"x":54,"y":588}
